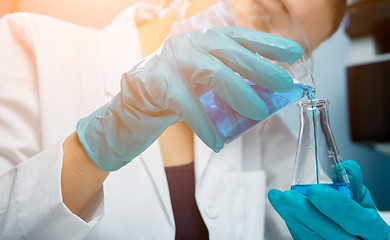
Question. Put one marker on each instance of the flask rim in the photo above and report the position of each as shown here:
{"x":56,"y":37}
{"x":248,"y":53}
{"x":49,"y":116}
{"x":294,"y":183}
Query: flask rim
{"x":313,"y":104}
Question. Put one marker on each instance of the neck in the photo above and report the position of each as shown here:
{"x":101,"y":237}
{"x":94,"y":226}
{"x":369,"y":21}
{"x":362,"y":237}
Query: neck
{"x":177,"y":145}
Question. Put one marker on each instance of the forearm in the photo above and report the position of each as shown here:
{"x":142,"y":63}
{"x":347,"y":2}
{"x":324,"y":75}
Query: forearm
{"x":80,"y":178}
{"x":320,"y":18}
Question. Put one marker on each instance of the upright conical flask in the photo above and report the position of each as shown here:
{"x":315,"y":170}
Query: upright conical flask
{"x":317,"y":158}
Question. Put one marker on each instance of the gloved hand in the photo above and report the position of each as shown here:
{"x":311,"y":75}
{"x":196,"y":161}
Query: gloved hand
{"x":328,"y":214}
{"x":161,"y":90}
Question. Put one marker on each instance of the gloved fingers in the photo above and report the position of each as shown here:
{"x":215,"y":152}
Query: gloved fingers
{"x":201,"y":124}
{"x":299,"y":231}
{"x":211,"y":72}
{"x":295,"y":226}
{"x":241,"y":60}
{"x":347,"y":213}
{"x":187,"y":106}
{"x":198,"y":120}
{"x":267,"y":45}
{"x":238,"y":94}
{"x":295,"y":208}
{"x":360,"y":192}
{"x":252,"y":67}
{"x":354,"y":175}
{"x":366,"y":200}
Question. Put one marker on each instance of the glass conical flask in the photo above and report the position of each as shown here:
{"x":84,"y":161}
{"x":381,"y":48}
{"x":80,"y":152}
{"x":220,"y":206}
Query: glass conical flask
{"x":317,"y":158}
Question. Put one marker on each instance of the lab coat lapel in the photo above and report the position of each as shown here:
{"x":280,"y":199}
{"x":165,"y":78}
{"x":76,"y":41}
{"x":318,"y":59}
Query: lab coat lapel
{"x":203,"y":155}
{"x":70,"y":84}
{"x":153,"y":162}
{"x":121,"y":48}
{"x":231,"y":154}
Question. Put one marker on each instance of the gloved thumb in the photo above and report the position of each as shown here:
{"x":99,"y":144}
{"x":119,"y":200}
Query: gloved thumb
{"x":354,"y":175}
{"x":360,"y":192}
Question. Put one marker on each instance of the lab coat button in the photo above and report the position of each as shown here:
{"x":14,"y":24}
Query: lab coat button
{"x":211,"y":211}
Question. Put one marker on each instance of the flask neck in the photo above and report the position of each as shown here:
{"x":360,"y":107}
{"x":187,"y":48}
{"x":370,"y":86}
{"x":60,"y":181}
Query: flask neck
{"x":314,"y":115}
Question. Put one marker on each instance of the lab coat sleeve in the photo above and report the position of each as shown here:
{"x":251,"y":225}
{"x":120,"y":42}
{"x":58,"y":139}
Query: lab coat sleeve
{"x":31,"y":204}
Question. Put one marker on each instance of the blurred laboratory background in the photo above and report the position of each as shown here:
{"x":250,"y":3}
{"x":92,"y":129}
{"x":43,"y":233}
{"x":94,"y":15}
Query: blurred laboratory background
{"x":351,"y":69}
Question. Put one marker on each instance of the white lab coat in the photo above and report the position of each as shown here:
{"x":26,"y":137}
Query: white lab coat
{"x":52,"y":73}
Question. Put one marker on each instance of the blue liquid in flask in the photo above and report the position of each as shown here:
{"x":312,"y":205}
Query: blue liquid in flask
{"x":344,"y":188}
{"x":230,"y":124}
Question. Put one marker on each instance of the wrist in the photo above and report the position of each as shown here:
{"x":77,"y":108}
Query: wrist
{"x":76,"y":155}
{"x":80,"y":177}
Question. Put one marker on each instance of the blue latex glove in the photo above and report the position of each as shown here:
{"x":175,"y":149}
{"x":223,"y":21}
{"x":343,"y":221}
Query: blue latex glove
{"x":160,"y":90}
{"x":328,"y":214}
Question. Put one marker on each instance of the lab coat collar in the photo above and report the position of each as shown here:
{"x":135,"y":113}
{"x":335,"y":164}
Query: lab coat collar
{"x":203,"y":155}
{"x":121,"y":48}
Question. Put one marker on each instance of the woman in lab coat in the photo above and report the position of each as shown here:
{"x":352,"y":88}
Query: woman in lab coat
{"x":54,"y":73}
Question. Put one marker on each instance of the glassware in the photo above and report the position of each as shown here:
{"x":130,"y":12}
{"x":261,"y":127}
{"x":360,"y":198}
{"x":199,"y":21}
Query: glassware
{"x":317,"y":158}
{"x":276,"y":18}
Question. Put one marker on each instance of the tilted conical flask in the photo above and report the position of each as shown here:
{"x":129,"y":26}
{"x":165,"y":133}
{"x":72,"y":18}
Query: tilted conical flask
{"x":317,"y":158}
